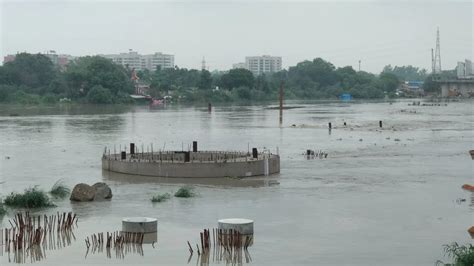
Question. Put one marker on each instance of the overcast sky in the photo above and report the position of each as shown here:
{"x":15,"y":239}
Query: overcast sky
{"x":224,"y":32}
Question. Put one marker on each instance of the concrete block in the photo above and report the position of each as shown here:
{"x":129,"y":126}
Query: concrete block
{"x":243,"y":226}
{"x":140,"y":225}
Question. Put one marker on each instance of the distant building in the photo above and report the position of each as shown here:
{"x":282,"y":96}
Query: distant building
{"x":345,"y":97}
{"x":239,"y":65}
{"x":137,"y":61}
{"x":464,"y":70}
{"x":413,"y":87}
{"x":59,"y":60}
{"x":263,"y":64}
{"x":8,"y":58}
{"x":457,"y":88}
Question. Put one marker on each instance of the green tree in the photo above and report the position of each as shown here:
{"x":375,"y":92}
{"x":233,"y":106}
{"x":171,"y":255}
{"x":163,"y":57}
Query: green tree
{"x":406,"y":73}
{"x":388,"y":82}
{"x":261,"y":84}
{"x":237,"y":78}
{"x":243,"y":93}
{"x":205,"y":80}
{"x":99,"y":94}
{"x":174,"y":78}
{"x":34,"y":71}
{"x":312,"y":74}
{"x":86,"y":72}
{"x":6,"y":91}
{"x":145,"y":75}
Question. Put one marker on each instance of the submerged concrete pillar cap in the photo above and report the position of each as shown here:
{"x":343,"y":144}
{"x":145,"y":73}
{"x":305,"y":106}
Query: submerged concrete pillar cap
{"x":243,"y":226}
{"x":139,"y":225}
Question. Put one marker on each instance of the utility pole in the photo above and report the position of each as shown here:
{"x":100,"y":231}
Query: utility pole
{"x":281,"y":102}
{"x":437,"y":57}
{"x":359,"y":64}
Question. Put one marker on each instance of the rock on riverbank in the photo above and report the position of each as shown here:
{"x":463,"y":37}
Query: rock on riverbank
{"x":84,"y":192}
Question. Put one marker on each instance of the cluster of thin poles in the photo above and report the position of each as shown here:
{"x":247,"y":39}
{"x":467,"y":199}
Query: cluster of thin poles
{"x":30,"y":236}
{"x":229,"y":246}
{"x":172,"y":156}
{"x":121,"y":242}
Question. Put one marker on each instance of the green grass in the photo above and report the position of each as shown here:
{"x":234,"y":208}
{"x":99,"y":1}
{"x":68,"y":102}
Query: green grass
{"x":30,"y":198}
{"x":161,"y":197}
{"x":59,"y":190}
{"x":463,"y":255}
{"x":185,"y":192}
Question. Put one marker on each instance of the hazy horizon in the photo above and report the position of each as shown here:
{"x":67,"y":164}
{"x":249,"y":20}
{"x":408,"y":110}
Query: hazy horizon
{"x":378,"y":32}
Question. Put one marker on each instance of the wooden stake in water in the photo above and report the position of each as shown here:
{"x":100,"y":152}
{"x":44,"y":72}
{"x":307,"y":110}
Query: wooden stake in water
{"x":281,"y":102}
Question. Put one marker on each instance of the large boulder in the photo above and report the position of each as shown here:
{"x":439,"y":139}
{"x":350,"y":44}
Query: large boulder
{"x":102,"y":191}
{"x":83,"y":192}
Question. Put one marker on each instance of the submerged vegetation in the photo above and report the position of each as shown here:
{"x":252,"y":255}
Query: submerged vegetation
{"x":185,"y":192}
{"x":161,"y":197}
{"x":59,"y":190}
{"x":30,"y":198}
{"x":462,"y":255}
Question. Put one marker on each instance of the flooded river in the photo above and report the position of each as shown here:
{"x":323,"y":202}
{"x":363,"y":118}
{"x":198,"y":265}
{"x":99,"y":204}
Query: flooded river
{"x":387,"y":196}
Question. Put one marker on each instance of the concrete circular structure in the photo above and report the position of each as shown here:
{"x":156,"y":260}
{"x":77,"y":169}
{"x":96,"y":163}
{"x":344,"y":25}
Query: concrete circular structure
{"x":193,"y":164}
{"x":139,"y":225}
{"x":243,"y":226}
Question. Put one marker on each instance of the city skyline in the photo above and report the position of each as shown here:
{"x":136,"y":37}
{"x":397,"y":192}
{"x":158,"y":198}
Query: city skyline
{"x":341,"y":33}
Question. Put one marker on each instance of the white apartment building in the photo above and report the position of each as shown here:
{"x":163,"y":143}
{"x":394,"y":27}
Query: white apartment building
{"x":263,"y":64}
{"x":137,"y":61}
{"x":464,"y":70}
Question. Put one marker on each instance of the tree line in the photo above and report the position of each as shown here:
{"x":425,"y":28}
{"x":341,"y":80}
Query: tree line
{"x":33,"y":78}
{"x":316,"y":79}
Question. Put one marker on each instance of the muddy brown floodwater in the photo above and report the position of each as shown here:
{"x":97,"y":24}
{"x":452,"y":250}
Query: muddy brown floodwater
{"x":381,"y":197}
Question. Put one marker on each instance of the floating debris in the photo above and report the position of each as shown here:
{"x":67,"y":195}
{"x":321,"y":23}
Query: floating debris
{"x":468,"y":187}
{"x":311,"y":154}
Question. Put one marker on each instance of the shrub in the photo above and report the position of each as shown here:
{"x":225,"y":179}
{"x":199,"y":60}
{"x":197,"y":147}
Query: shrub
{"x":161,"y":197}
{"x":462,"y":255}
{"x":59,"y":190}
{"x":124,"y":98}
{"x":99,"y":94}
{"x":20,"y":96}
{"x":50,"y":98}
{"x":185,"y":192}
{"x":242,"y":93}
{"x":31,"y":198}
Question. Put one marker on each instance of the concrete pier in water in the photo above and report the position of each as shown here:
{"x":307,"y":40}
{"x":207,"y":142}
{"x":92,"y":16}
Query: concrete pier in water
{"x":193,"y":164}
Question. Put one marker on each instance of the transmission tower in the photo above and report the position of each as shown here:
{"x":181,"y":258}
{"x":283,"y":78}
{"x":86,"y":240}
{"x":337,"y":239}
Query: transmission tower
{"x":432,"y":62}
{"x":437,"y":57}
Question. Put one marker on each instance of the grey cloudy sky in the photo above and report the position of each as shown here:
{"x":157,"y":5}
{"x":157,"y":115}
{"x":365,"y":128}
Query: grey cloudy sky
{"x":377,"y":32}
